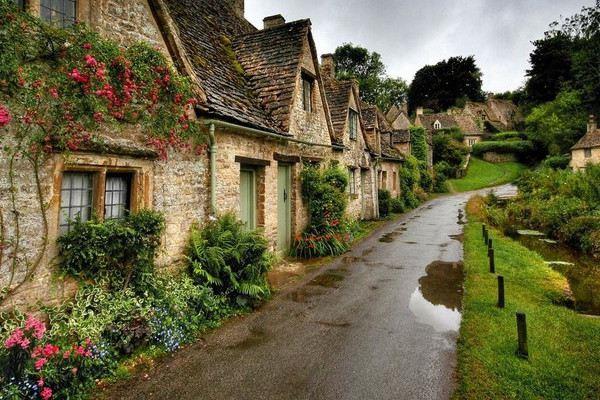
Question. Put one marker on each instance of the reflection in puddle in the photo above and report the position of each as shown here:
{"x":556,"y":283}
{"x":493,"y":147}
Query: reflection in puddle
{"x":437,"y":301}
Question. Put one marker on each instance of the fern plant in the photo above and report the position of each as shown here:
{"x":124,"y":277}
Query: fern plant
{"x":233,"y":261}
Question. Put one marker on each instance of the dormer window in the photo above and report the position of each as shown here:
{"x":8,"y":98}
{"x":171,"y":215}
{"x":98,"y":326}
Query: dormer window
{"x":62,"y":13}
{"x":353,"y":124}
{"x":437,"y":125}
{"x":307,"y":92}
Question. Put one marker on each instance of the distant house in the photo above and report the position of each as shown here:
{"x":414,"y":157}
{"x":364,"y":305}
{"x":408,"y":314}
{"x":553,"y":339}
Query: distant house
{"x":587,"y":150}
{"x":389,"y":158}
{"x":440,"y":122}
{"x":497,"y":115}
{"x":350,"y":135}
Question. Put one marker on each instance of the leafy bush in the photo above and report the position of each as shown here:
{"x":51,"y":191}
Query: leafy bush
{"x":410,"y":178}
{"x":120,"y":250}
{"x":328,"y":232}
{"x":385,"y":199}
{"x":397,"y":205}
{"x":557,"y":162}
{"x":582,"y":233}
{"x":426,"y":181}
{"x":523,"y":150}
{"x":450,"y":151}
{"x":231,"y":260}
{"x":418,"y":142}
{"x":509,"y":136}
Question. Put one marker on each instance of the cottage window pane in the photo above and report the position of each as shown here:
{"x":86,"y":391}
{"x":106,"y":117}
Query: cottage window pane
{"x":116,"y":196}
{"x":59,"y":12}
{"x":353,"y":124}
{"x":587,"y":153}
{"x":307,"y":94}
{"x":75,"y":199}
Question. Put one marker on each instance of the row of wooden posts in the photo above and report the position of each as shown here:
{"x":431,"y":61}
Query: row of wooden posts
{"x":522,"y":350}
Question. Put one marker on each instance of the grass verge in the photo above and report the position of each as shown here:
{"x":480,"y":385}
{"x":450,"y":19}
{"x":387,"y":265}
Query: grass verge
{"x":563,"y":345}
{"x":482,"y":174}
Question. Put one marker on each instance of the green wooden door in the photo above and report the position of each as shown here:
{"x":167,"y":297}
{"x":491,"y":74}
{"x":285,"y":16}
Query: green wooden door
{"x":363,"y":202}
{"x":284,"y":209}
{"x":248,"y":198}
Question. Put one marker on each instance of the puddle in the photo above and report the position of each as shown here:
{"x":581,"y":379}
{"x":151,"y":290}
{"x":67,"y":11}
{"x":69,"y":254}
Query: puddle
{"x":256,"y":337}
{"x":458,"y":238}
{"x":334,"y":324}
{"x":582,"y":272}
{"x":329,"y":279}
{"x":437,"y":301}
{"x":389,"y":237}
{"x":303,"y":294}
{"x":350,"y":260}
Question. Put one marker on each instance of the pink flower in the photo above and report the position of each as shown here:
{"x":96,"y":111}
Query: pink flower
{"x":36,"y":326}
{"x":50,"y":350}
{"x":54,"y":92}
{"x":17,"y":338}
{"x":67,"y":354}
{"x":90,"y":61}
{"x":39,"y":364}
{"x":5,"y":117}
{"x":98,"y":117}
{"x":46,"y":393}
{"x":78,"y":76}
{"x":40,"y":382}
{"x":87,"y":46}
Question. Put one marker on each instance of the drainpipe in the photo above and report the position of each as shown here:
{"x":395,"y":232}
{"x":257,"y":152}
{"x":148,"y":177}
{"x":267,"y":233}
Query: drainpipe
{"x":213,"y":169}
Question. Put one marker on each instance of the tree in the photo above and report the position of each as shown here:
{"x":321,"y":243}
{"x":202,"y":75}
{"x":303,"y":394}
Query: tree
{"x":440,"y":86}
{"x":376,"y":87}
{"x":551,"y":62}
{"x":559,"y":124}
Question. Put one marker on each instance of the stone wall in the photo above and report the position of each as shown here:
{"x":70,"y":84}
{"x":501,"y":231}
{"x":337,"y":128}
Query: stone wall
{"x":391,"y":182}
{"x":580,"y":161}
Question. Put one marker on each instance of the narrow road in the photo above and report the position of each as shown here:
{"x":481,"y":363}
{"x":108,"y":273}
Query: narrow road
{"x":379,"y":323}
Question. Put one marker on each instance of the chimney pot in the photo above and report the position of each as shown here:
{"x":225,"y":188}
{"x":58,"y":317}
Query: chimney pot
{"x":592,"y":124}
{"x":273,"y":21}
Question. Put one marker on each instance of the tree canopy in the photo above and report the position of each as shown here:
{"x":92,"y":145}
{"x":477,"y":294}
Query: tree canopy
{"x":441,"y":86}
{"x":376,"y":87}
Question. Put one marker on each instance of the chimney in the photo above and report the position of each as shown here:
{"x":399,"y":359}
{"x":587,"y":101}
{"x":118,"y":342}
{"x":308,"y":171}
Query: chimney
{"x":273,"y":21}
{"x":238,"y":7}
{"x":404,"y":108}
{"x":419,"y":111}
{"x":592,"y":124}
{"x":327,"y":66}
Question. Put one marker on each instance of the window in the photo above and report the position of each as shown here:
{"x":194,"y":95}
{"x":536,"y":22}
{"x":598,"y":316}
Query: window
{"x":79,"y":197}
{"x":353,"y":122}
{"x":307,"y":88}
{"x":117,"y":195}
{"x":395,"y":181}
{"x":587,"y":153}
{"x":352,"y":181}
{"x":384,"y":180}
{"x":60,"y":12}
{"x":437,"y":125}
{"x":76,"y":199}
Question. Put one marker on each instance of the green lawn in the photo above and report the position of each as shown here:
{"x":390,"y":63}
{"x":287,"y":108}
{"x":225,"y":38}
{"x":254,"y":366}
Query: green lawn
{"x":564,"y":346}
{"x":482,"y":174}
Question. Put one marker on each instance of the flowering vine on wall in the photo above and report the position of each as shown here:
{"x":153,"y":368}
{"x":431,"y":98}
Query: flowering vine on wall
{"x":59,"y":88}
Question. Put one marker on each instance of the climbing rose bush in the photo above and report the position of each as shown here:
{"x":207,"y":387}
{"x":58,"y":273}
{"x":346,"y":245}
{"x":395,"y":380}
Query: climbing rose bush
{"x":58,"y":87}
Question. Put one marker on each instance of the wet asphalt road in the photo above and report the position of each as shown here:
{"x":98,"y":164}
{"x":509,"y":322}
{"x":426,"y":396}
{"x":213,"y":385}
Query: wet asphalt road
{"x":375,"y":324}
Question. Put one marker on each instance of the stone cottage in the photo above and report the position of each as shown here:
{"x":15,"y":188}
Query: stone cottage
{"x":380,"y":137}
{"x":453,"y":119}
{"x":349,"y":134}
{"x":496,"y":115}
{"x":587,"y":150}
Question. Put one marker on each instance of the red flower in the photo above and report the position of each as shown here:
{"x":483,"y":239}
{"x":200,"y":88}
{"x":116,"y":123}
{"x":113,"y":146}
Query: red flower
{"x":46,"y":393}
{"x":5,"y":117}
{"x":87,"y":46}
{"x":98,"y":117}
{"x":39,"y":364}
{"x":50,"y":350}
{"x":78,"y":76}
{"x":90,"y":61}
{"x":54,"y":92}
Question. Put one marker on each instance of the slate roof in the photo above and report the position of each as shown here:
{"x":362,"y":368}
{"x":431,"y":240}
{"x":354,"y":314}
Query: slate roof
{"x":401,"y":137}
{"x":590,"y":140}
{"x":447,"y":121}
{"x":271,"y":59}
{"x":248,"y":75}
{"x":338,"y":97}
{"x":369,"y":114}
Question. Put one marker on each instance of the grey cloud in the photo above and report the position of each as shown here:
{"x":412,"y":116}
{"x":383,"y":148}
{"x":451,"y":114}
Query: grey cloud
{"x":411,"y":34}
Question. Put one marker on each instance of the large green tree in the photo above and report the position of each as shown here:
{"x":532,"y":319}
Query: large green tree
{"x":442,"y":85}
{"x":376,"y":87}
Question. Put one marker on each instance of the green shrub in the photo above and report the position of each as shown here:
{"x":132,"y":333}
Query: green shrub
{"x":231,"y":260}
{"x":418,"y":142}
{"x":509,"y":136}
{"x":328,"y":232}
{"x":397,"y":205}
{"x":450,"y":151}
{"x":524,"y":150}
{"x":385,"y":199}
{"x":120,"y":250}
{"x":580,"y":232}
{"x":427,"y":180}
{"x":557,"y":162}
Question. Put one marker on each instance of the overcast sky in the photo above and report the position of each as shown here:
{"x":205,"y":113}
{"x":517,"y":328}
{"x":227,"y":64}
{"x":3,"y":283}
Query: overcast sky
{"x":412,"y":33}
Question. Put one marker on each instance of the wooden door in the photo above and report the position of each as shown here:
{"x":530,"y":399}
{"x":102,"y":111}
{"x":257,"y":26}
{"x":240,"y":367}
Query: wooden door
{"x":284,"y":208}
{"x":248,"y":198}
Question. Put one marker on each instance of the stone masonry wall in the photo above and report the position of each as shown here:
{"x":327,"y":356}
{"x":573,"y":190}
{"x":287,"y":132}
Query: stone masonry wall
{"x":579,"y":161}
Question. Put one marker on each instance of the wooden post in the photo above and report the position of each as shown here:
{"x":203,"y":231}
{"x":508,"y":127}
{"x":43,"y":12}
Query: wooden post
{"x":501,"y":302}
{"x":492,"y":261}
{"x":485,"y":235}
{"x":490,"y":244}
{"x":522,"y":351}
